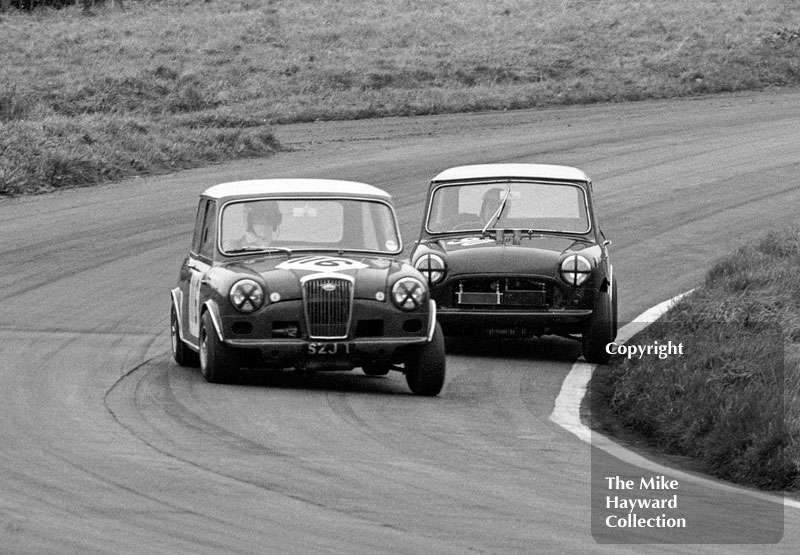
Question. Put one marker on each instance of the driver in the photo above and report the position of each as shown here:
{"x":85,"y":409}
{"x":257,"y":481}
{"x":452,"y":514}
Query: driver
{"x":491,"y":202}
{"x":262,"y":219}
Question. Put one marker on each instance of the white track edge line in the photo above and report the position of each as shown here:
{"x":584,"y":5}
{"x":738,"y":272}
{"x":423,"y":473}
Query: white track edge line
{"x":567,"y":414}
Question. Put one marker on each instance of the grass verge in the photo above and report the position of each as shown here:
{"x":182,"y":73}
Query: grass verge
{"x":732,"y":401}
{"x":162,"y":85}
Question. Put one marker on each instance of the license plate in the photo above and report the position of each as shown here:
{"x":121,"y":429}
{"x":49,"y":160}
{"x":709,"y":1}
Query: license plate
{"x":334,"y":348}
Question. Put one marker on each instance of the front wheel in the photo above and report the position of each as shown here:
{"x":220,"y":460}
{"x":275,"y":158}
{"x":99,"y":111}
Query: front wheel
{"x":425,"y":367}
{"x":600,"y":331}
{"x":216,"y":358}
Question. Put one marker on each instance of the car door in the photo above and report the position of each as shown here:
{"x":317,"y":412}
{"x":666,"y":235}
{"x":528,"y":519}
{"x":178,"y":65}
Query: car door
{"x":198,"y":264}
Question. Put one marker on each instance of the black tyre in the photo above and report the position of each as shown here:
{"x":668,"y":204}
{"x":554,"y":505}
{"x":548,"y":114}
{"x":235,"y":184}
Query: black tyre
{"x":217,"y":361}
{"x":600,"y":331}
{"x":425,"y":367}
{"x":181,"y":352}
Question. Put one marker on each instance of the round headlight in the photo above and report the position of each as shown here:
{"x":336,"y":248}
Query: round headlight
{"x":432,"y":266}
{"x":575,"y":270}
{"x":247,"y":295}
{"x":408,"y":293}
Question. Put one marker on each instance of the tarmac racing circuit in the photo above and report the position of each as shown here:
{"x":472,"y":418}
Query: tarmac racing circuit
{"x":109,"y":447}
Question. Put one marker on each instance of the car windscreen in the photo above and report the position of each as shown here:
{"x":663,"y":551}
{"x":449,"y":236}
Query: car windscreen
{"x":308,"y":224}
{"x":556,"y":207}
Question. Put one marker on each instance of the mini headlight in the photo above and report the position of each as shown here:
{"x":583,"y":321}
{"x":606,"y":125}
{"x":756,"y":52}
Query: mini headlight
{"x":247,"y":295}
{"x":575,"y":270}
{"x":432,"y":266}
{"x":408,"y":293}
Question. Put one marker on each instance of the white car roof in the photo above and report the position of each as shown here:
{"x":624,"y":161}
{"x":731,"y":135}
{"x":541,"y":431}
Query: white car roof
{"x":488,"y":171}
{"x":297,"y":186}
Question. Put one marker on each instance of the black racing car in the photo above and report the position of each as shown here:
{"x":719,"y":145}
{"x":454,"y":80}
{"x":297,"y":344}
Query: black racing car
{"x":516,"y":250}
{"x":303,"y":273}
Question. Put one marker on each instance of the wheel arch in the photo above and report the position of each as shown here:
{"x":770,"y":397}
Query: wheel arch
{"x":431,"y":320}
{"x":213,"y":311}
{"x":176,"y":296}
{"x":608,"y":280}
{"x":177,"y":300}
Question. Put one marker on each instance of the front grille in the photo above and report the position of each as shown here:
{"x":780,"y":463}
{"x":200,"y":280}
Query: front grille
{"x":504,"y":292}
{"x":328,"y":305}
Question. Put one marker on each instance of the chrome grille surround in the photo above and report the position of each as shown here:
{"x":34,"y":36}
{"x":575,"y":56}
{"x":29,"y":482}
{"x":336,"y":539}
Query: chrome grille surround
{"x":328,"y":305}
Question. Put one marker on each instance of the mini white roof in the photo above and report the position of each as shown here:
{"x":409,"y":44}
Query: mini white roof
{"x":297,"y":186}
{"x":488,"y":171}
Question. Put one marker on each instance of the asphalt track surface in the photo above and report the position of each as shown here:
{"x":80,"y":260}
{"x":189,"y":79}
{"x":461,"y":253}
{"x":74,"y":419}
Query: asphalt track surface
{"x":106,"y":446}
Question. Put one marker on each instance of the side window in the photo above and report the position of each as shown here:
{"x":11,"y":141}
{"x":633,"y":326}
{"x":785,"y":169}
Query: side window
{"x":208,"y":231}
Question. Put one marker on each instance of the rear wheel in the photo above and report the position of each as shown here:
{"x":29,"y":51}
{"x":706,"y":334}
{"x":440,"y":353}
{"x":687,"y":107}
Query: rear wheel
{"x":217,"y":361}
{"x":181,"y":352}
{"x":600,"y":331}
{"x":425,"y":367}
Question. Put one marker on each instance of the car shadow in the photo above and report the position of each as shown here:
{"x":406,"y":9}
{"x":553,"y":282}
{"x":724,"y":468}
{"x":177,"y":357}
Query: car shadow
{"x":343,"y":381}
{"x":548,"y":347}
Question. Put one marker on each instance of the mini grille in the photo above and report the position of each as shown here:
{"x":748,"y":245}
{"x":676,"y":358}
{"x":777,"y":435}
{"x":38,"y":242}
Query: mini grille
{"x":328,"y":303}
{"x":503,"y":292}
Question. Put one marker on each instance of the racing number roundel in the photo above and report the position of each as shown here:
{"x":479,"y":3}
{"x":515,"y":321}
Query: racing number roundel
{"x":321,"y":264}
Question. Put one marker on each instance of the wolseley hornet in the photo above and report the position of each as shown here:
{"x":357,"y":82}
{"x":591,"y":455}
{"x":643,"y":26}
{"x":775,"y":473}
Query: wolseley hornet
{"x":304,"y":274}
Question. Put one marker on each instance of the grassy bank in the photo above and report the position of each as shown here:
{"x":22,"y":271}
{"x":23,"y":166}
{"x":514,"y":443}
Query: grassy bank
{"x":732,"y":402}
{"x":158,"y":86}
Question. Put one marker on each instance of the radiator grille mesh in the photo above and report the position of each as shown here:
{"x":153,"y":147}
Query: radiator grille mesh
{"x":328,"y":304}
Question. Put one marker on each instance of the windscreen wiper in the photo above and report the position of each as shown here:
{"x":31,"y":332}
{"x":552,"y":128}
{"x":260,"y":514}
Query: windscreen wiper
{"x":496,"y":216}
{"x":256,"y":248}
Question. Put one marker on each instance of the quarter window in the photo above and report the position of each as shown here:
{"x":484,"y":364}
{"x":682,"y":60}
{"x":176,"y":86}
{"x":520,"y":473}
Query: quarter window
{"x":207,"y":233}
{"x":198,"y":226}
